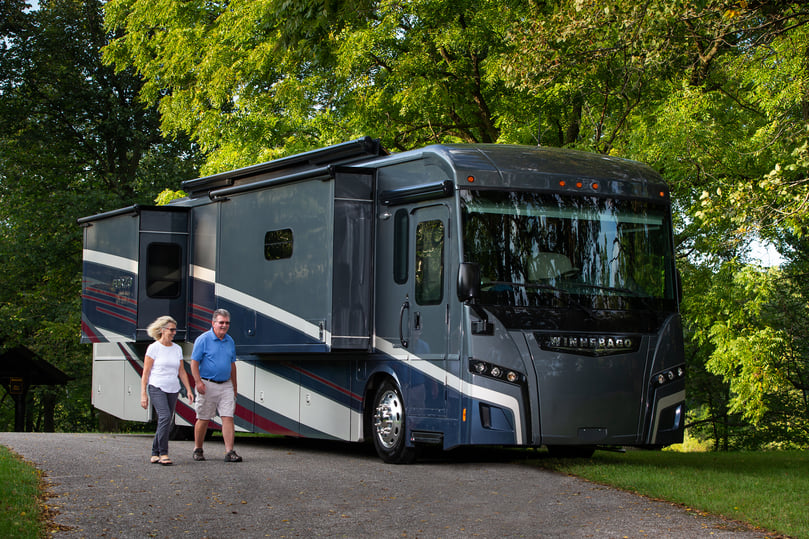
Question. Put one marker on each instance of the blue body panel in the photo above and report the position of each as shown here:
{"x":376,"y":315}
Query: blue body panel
{"x":109,"y":304}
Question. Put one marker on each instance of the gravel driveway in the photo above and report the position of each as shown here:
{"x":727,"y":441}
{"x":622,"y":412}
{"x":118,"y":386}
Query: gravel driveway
{"x":103,"y":486}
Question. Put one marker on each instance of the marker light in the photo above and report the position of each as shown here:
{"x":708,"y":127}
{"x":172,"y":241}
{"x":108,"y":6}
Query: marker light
{"x":470,"y":179}
{"x":594,"y":186}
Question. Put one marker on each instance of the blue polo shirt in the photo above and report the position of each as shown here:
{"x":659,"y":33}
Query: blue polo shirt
{"x":214,"y":355}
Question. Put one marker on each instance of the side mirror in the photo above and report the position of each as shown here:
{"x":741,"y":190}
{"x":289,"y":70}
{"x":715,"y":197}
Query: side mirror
{"x":468,"y":281}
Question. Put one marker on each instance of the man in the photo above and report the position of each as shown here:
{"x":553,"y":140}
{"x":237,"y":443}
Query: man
{"x":213,"y":365}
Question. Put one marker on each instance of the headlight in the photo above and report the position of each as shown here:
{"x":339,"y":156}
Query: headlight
{"x":495,"y":371}
{"x":667,"y":376}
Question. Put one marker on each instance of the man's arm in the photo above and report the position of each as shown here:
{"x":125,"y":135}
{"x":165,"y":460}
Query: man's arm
{"x":196,"y":357}
{"x":233,"y":377}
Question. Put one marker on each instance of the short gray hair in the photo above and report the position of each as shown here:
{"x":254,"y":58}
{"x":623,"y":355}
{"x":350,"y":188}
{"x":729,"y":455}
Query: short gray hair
{"x":220,"y":312}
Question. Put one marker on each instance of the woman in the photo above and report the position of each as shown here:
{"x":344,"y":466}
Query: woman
{"x":161,"y":369}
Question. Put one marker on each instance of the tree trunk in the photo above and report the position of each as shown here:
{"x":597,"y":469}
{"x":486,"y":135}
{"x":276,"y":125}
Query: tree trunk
{"x":574,"y":122}
{"x":48,"y":407}
{"x":29,"y":411}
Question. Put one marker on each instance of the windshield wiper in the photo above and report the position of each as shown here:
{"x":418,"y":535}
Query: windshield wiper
{"x":644,"y":299}
{"x":611,"y":289}
{"x":543,"y":286}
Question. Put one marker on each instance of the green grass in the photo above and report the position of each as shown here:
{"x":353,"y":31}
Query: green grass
{"x":20,"y":511}
{"x":768,"y":489}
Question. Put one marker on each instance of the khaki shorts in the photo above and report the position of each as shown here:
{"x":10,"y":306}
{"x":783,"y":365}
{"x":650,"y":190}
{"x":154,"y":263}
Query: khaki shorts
{"x":217,"y":397}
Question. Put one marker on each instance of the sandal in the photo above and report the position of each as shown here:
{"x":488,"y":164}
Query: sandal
{"x":165,"y":461}
{"x":155,"y":459}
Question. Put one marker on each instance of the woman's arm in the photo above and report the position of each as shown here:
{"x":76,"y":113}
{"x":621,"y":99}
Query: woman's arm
{"x":144,"y":380}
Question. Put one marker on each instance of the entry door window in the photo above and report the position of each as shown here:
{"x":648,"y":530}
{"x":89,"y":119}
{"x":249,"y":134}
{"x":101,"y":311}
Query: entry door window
{"x":429,"y":262}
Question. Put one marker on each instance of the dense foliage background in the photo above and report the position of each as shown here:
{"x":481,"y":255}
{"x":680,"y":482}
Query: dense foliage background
{"x":107,"y":104}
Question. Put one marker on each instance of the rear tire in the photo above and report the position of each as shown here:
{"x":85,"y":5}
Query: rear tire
{"x":572,"y":451}
{"x":388,"y":425}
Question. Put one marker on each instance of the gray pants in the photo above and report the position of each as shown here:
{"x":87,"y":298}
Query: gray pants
{"x":163,"y":404}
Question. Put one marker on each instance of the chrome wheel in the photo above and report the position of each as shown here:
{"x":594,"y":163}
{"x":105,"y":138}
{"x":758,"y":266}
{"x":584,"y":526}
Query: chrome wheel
{"x":389,"y":425}
{"x":388,"y":419}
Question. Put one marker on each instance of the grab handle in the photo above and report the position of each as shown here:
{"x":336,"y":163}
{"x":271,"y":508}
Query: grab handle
{"x":405,"y":307}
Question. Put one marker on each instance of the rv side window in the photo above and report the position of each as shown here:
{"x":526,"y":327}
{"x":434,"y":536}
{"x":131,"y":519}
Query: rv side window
{"x":163,"y":270}
{"x":429,"y":262}
{"x":400,"y":239}
{"x":278,"y":244}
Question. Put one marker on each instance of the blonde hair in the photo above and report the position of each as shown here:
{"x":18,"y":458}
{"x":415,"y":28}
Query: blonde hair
{"x":155,"y":329}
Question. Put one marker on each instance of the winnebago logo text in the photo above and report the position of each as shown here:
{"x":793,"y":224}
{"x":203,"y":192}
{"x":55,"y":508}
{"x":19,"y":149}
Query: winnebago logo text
{"x":598,"y":345}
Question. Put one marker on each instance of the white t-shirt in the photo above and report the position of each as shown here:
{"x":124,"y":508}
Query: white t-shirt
{"x":166,"y":366}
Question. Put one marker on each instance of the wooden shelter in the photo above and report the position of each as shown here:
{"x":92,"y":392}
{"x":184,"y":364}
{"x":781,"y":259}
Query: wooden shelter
{"x":20,"y":369}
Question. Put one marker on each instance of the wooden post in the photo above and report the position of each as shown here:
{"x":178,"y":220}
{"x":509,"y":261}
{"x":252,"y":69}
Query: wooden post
{"x":19,"y":412}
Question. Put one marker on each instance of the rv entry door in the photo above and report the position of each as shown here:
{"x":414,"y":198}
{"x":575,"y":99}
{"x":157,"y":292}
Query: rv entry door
{"x":427,"y":312}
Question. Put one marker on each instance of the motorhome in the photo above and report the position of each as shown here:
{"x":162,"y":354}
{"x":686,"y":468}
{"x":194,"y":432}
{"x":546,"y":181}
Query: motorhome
{"x":454,"y":295}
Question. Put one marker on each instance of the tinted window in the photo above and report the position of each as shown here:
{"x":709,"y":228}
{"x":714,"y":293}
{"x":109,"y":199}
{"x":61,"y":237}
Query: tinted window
{"x":429,"y":262}
{"x":278,"y":244}
{"x":400,"y":239}
{"x":163,"y":270}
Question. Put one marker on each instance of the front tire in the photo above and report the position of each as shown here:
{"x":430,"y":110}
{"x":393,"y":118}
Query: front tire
{"x":181,"y":433}
{"x":388,"y":425}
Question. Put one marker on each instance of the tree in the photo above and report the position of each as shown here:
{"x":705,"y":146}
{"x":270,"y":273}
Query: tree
{"x":250,"y":80}
{"x":74,"y":141}
{"x":754,"y":321}
{"x":712,"y":94}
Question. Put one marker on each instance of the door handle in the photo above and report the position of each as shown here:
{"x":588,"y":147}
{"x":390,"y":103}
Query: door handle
{"x":405,"y":307}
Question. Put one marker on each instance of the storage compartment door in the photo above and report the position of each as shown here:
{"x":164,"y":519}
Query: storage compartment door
{"x":133,"y":411}
{"x":108,"y":378}
{"x":116,"y":384}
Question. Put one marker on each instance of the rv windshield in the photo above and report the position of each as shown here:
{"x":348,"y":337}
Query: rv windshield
{"x":562,"y":251}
